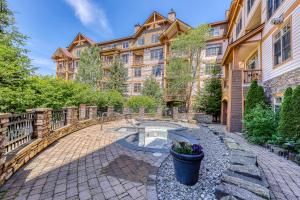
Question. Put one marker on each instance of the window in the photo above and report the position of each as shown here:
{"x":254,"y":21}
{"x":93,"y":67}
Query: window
{"x":113,"y":46}
{"x":277,"y":104}
{"x":61,"y":64}
{"x":78,"y":53}
{"x":209,"y":67}
{"x":156,"y":70}
{"x":124,"y":58}
{"x":137,"y":72}
{"x":282,"y":45}
{"x":141,"y":41}
{"x":154,"y":38}
{"x":272,"y":6}
{"x":137,"y":87}
{"x":249,"y":5}
{"x":125,"y":45}
{"x":156,"y":54}
{"x":239,"y":26}
{"x":214,"y":50}
{"x":215,"y":32}
{"x":252,"y":63}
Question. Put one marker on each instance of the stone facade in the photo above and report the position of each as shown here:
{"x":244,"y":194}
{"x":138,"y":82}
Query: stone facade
{"x":282,"y":82}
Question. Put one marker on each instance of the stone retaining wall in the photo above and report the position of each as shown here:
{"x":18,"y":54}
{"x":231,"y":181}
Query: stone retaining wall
{"x":243,"y":179}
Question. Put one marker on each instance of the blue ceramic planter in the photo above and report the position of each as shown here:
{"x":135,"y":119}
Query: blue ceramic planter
{"x":187,"y":167}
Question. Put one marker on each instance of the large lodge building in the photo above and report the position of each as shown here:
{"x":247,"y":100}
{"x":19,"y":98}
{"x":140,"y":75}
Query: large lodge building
{"x":259,"y":40}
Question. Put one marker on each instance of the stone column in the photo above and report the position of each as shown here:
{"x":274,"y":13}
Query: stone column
{"x":72,"y":115}
{"x":175,"y":113}
{"x":158,"y":112}
{"x":4,"y":120}
{"x":92,"y":112}
{"x":42,"y":122}
{"x":110,"y":111}
{"x":82,"y":111}
{"x":141,"y":111}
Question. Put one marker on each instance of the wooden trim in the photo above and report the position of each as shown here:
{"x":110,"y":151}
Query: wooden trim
{"x":285,"y":14}
{"x":241,"y":40}
{"x":288,"y":21}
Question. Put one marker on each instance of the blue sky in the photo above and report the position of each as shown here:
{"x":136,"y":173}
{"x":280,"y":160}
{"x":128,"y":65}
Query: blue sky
{"x":54,"y":23}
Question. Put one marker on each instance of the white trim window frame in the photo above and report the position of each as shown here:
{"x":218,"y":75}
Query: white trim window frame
{"x":272,"y":6}
{"x":125,"y":45}
{"x":282,"y":45}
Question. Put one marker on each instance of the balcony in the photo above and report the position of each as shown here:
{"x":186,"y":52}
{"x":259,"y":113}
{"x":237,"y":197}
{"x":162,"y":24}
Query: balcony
{"x":252,"y":75}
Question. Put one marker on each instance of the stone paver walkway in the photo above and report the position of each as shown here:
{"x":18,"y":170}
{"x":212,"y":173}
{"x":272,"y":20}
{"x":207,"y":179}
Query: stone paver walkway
{"x":282,"y":175}
{"x":87,"y":164}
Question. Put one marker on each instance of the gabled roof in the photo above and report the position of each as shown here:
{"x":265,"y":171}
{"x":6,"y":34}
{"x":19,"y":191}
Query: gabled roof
{"x":80,"y":37}
{"x":61,"y":52}
{"x":153,"y":17}
{"x":176,"y":26}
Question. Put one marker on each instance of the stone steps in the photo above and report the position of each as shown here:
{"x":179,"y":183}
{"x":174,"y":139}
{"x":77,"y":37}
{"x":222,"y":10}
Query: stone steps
{"x":243,"y":179}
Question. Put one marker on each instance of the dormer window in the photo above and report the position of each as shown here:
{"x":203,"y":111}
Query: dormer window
{"x":141,"y":41}
{"x":215,"y":32}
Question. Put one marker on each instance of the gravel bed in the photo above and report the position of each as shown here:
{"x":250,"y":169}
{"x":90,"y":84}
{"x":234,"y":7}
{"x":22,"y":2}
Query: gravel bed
{"x":214,"y":163}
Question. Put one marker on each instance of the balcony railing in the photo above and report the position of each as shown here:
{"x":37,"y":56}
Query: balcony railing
{"x":252,"y":75}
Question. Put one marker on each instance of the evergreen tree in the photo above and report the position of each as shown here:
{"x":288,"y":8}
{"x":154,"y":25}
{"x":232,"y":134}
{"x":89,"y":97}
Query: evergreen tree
{"x":152,"y":89}
{"x":296,"y":114}
{"x":285,"y":127}
{"x":15,"y":66}
{"x":118,"y":76}
{"x":90,"y":67}
{"x":209,"y":101}
{"x":254,"y":96}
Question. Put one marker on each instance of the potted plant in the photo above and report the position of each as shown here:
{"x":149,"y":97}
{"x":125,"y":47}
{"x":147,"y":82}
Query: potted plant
{"x":187,"y":159}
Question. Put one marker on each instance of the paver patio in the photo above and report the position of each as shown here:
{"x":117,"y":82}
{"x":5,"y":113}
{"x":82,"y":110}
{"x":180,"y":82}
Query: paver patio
{"x":85,"y":165}
{"x":88,"y":164}
{"x":282,"y":175}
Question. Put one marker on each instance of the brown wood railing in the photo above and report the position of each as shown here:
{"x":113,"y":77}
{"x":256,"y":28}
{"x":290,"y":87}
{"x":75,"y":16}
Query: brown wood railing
{"x":252,"y":74}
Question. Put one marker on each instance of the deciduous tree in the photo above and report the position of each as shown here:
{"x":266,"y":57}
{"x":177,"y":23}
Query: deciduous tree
{"x":118,"y":76}
{"x":152,"y":89}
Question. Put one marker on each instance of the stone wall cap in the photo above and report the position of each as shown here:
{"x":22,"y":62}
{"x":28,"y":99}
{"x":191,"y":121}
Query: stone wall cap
{"x":92,"y":106}
{"x":39,"y":109}
{"x":69,"y":107}
{"x":5,"y":115}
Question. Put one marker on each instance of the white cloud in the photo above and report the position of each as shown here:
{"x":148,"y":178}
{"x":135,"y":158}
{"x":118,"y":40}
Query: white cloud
{"x":44,"y":65}
{"x":91,"y":15}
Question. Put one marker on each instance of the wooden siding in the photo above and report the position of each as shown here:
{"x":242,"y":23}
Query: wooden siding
{"x":269,"y":71}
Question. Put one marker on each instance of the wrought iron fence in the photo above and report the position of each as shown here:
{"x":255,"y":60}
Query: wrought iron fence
{"x":100,"y":111}
{"x":87,"y":113}
{"x":167,"y":112}
{"x":59,"y":119}
{"x":20,"y":130}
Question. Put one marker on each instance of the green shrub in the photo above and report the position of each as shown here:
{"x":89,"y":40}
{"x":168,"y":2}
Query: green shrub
{"x":295,"y":116}
{"x":109,"y":98}
{"x":254,"y":97}
{"x":135,"y":102}
{"x":285,"y":126}
{"x":260,"y":124}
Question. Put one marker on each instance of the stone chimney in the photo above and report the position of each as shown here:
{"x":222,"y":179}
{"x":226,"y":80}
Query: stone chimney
{"x":137,"y":27}
{"x":172,"y":15}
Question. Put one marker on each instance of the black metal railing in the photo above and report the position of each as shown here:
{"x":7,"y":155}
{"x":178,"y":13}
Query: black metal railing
{"x":87,"y":113}
{"x":100,"y":111}
{"x":20,"y":130}
{"x":59,"y":119}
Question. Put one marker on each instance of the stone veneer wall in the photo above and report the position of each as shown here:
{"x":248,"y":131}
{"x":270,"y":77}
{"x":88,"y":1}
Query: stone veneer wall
{"x":280,"y":83}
